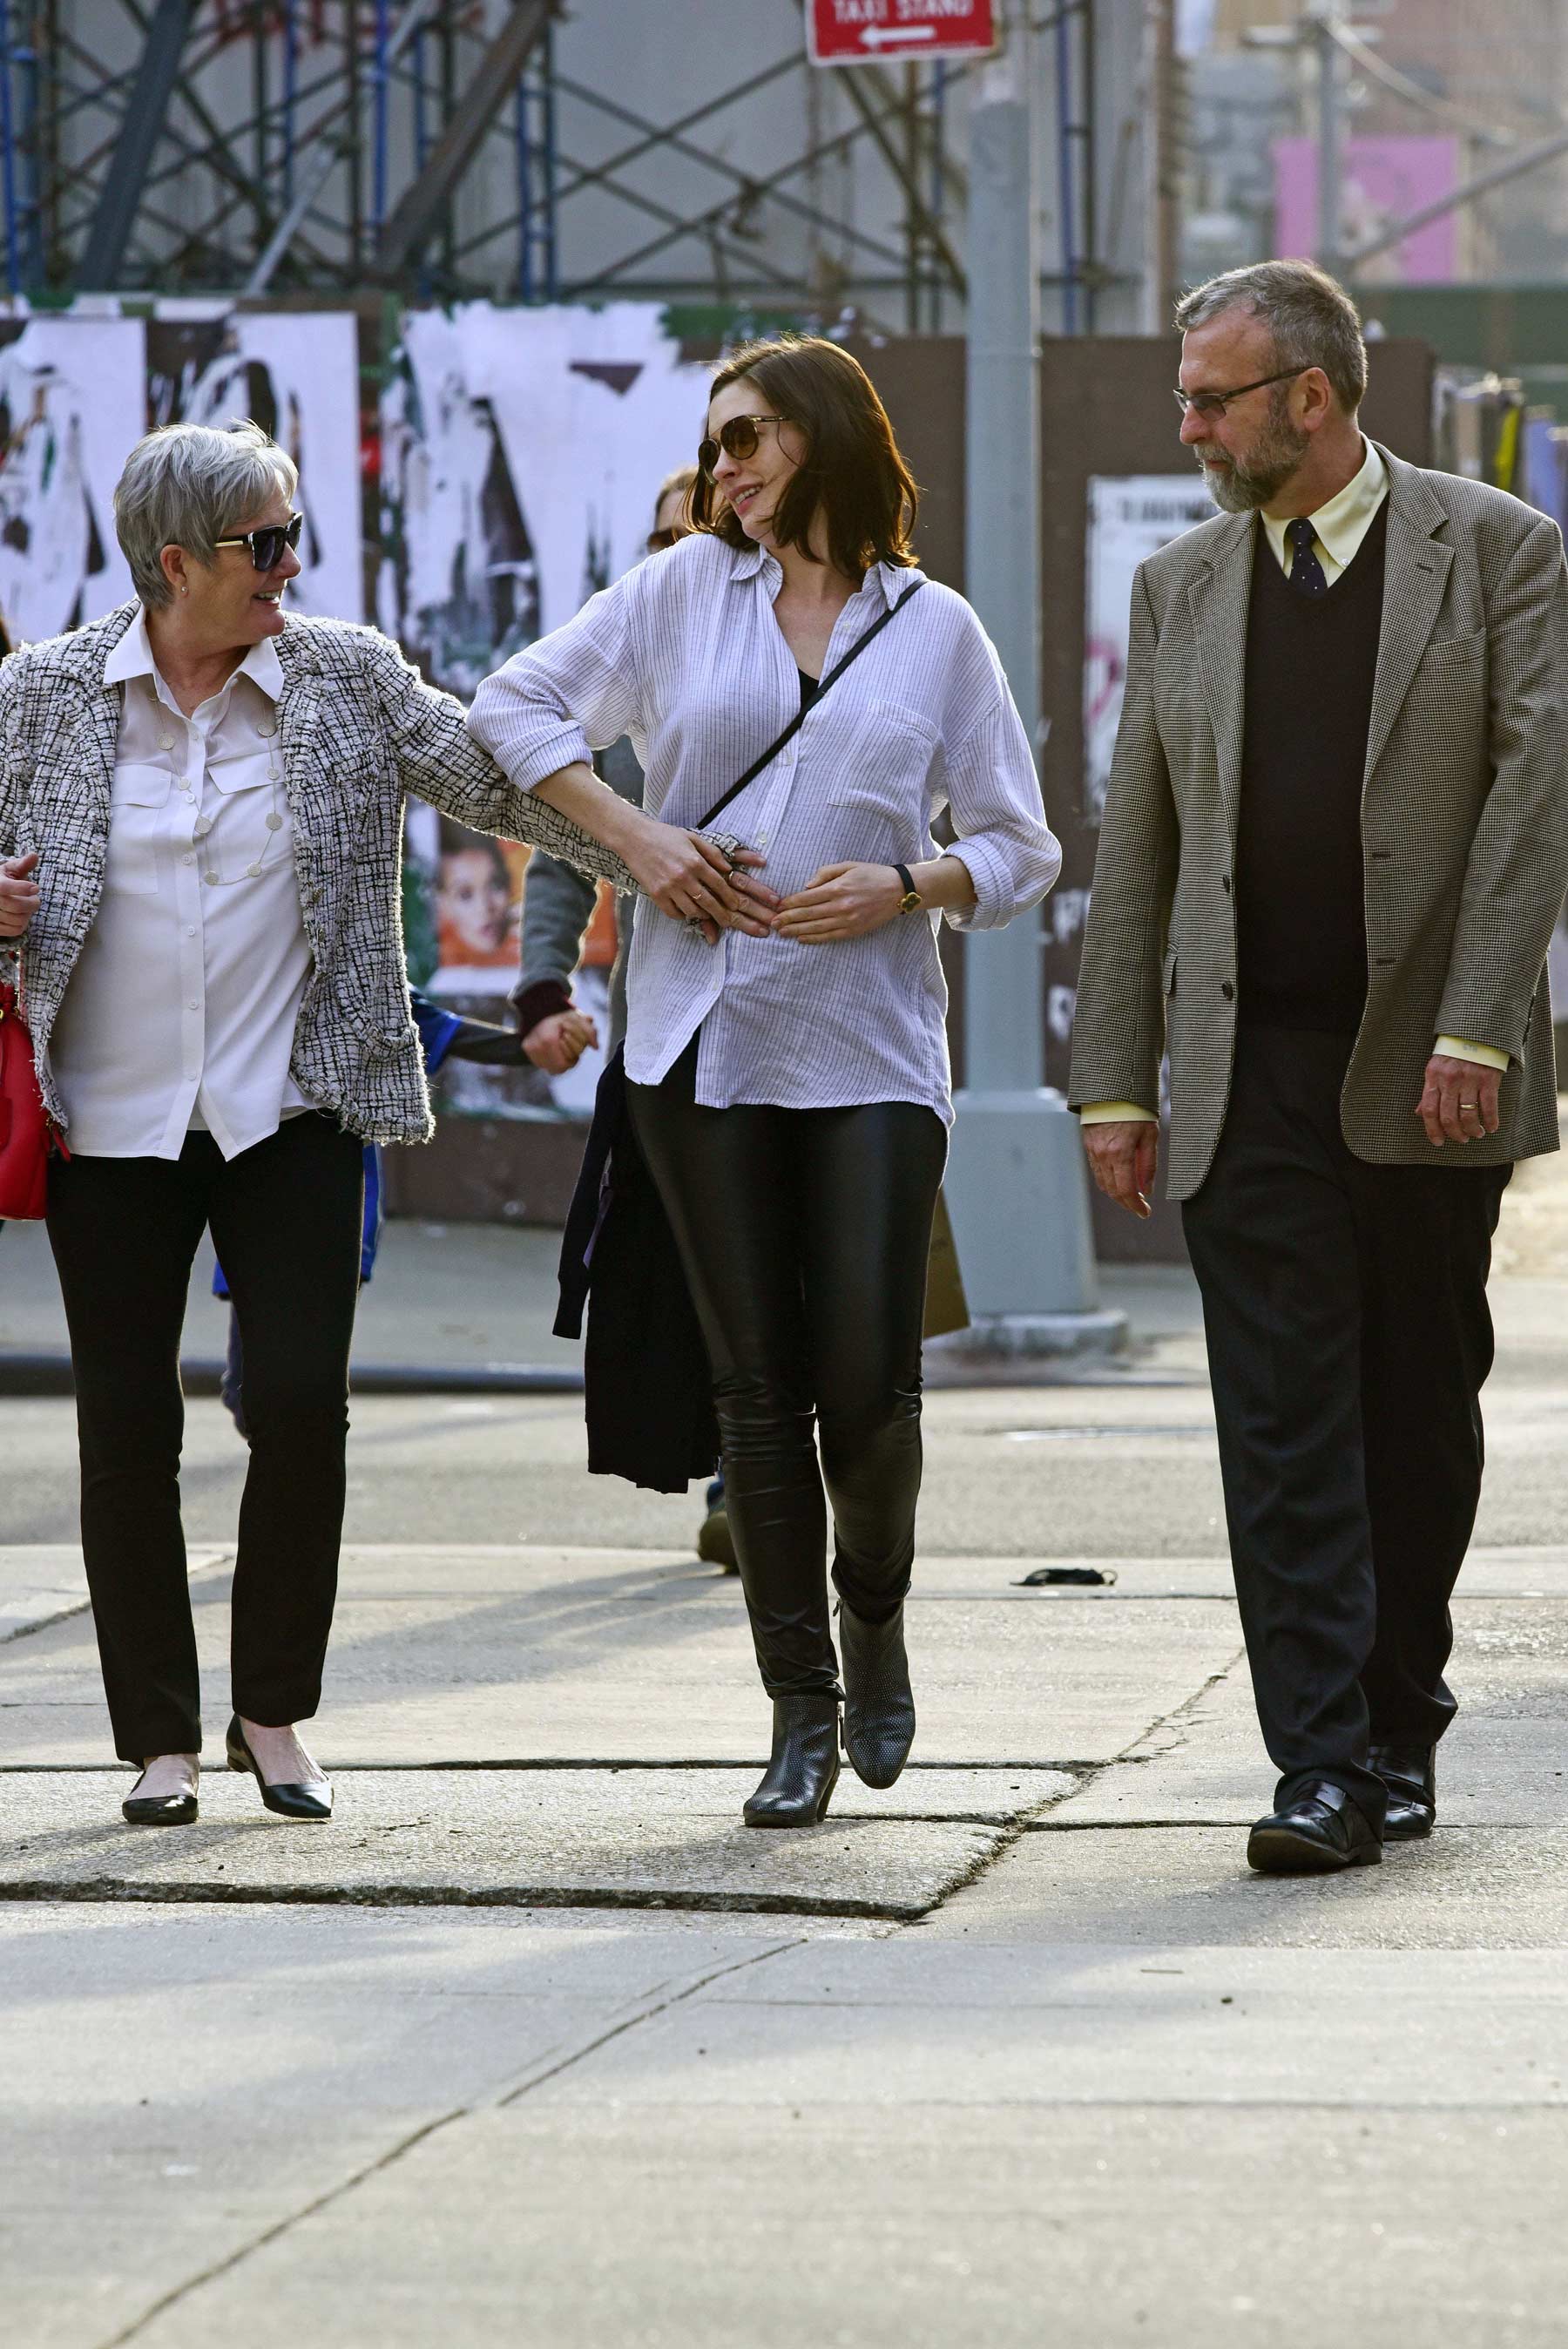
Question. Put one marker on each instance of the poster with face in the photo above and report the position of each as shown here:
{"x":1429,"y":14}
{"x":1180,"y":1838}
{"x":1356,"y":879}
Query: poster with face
{"x":297,"y":375}
{"x":72,"y":403}
{"x":1130,"y":516}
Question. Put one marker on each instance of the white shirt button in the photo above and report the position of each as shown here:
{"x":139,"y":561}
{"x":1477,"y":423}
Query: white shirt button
{"x":209,"y":876}
{"x":275,"y":824}
{"x":252,"y":870}
{"x":202,"y":826}
{"x":166,"y":742}
{"x":188,"y":860}
{"x":190,"y":929}
{"x":192,"y":1005}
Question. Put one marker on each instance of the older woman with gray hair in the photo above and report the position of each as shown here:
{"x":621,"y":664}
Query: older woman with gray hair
{"x":200,"y":825}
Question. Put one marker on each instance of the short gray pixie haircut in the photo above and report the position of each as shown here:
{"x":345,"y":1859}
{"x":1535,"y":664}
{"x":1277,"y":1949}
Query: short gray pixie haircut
{"x":1312,"y":319}
{"x":189,"y":484}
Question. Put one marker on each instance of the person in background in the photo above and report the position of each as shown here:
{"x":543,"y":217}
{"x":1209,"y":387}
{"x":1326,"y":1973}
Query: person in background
{"x":443,"y":1035}
{"x":789,"y":1087}
{"x":558,"y":908}
{"x":201,"y":806}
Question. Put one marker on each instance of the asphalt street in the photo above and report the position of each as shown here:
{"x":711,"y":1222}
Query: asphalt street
{"x":536,"y":2042}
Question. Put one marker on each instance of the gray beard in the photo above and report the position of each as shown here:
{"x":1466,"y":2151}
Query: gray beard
{"x":1247,"y":484}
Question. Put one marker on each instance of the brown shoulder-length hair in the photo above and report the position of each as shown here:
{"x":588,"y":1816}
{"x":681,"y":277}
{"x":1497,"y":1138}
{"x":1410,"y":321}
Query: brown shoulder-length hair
{"x":853,"y":467}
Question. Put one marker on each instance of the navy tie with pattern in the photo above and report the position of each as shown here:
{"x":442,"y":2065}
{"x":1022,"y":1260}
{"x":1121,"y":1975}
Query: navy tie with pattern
{"x":1306,"y":570}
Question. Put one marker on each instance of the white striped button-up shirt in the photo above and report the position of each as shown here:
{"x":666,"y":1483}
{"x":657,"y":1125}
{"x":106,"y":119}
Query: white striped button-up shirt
{"x":685,"y":656}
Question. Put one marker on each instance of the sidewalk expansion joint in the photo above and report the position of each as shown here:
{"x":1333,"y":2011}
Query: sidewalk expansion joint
{"x":442,"y":1895}
{"x":648,"y":2011}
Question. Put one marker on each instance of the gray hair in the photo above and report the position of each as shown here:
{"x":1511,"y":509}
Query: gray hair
{"x":1311,"y":320}
{"x":189,"y":484}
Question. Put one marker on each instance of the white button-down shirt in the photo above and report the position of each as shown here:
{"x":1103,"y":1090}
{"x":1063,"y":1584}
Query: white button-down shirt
{"x":685,"y":656}
{"x":181,"y":1012}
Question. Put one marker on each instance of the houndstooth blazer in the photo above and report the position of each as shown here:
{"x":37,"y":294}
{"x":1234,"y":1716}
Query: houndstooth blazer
{"x":1464,"y":825}
{"x":360,"y":731}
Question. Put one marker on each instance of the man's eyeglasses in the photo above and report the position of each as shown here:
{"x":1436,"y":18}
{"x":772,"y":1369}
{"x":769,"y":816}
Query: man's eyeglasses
{"x":1214,"y":403}
{"x":738,"y":439}
{"x":267,"y":544}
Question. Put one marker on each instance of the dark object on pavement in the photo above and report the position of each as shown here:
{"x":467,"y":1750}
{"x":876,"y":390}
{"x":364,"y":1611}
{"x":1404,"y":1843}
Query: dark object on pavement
{"x":1088,"y":1574}
{"x":159,"y":1810}
{"x":879,"y":1703}
{"x":803,"y":1769}
{"x":1411,"y":1775}
{"x":290,"y":1802}
{"x":1321,"y":1829}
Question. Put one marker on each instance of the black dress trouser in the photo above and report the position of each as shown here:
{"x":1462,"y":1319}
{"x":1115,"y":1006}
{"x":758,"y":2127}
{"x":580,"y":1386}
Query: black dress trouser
{"x":804,"y":1234}
{"x":1349,"y":1337}
{"x":285,"y":1219}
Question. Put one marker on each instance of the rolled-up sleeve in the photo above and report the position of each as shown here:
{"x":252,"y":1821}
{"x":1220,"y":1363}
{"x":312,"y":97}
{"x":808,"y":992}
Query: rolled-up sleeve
{"x":994,"y":798}
{"x":569,"y":695}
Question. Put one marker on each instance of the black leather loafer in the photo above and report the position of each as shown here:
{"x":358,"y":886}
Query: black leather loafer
{"x":290,"y":1802}
{"x":159,"y":1810}
{"x":1411,"y":1775}
{"x":879,"y":1704}
{"x":1323,"y":1828}
{"x":803,"y":1770}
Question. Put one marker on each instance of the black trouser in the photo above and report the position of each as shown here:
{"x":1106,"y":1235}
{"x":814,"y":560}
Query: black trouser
{"x":285,"y":1219}
{"x":1349,"y":1338}
{"x":804,"y":1234}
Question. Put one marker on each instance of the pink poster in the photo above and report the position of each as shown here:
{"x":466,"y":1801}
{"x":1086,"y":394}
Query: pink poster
{"x":1385,"y":180}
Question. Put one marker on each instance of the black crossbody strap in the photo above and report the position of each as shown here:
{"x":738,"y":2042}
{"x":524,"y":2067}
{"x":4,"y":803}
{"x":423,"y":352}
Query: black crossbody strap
{"x":834,"y":674}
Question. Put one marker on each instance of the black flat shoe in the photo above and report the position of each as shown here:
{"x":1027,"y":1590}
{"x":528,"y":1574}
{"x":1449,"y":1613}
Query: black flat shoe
{"x":1324,"y":1829}
{"x":879,"y":1703}
{"x":289,"y":1801}
{"x":159,"y":1810}
{"x":799,"y":1784}
{"x":1411,"y":1775}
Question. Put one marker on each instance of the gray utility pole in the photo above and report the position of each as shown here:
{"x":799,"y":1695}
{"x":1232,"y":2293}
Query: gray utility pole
{"x":1324,"y":18}
{"x":1016,"y":1182}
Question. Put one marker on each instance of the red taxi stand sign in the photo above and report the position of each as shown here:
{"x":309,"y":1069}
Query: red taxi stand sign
{"x":857,"y":31}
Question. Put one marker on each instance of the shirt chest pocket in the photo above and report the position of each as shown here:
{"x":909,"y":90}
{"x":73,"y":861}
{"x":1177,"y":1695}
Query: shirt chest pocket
{"x":879,"y":779}
{"x":138,"y":798}
{"x":247,"y":819}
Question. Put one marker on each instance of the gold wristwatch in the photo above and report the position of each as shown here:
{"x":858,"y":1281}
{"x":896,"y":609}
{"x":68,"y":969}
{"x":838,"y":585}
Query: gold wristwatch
{"x":911,"y":900}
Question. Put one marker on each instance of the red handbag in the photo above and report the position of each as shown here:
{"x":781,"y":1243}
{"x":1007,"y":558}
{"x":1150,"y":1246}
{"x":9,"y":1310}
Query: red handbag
{"x":24,"y":1122}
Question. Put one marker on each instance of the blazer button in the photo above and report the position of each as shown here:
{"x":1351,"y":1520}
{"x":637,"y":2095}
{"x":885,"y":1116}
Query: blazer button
{"x":1227,"y":990}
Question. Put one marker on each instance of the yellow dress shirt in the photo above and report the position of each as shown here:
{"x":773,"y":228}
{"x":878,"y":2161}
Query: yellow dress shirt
{"x":1337,"y":531}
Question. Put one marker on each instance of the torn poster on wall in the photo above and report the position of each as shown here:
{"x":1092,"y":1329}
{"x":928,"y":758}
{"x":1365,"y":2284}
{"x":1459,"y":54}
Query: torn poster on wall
{"x":520,"y":453}
{"x":72,"y":401}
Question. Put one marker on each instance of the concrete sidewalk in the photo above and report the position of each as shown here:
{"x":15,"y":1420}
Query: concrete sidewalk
{"x":535,"y":2040}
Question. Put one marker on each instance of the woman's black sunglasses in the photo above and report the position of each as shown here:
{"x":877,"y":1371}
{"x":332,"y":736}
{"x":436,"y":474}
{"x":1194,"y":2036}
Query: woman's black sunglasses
{"x":267,"y":544}
{"x":738,"y":439}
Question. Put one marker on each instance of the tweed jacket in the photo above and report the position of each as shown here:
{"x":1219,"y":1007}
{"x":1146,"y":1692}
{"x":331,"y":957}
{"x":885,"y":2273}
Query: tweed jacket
{"x":359,"y":731}
{"x":1464,"y":827}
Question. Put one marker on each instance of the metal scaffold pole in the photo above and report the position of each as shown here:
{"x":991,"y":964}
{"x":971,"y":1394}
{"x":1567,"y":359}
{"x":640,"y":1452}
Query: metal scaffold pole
{"x":1016,"y":1181}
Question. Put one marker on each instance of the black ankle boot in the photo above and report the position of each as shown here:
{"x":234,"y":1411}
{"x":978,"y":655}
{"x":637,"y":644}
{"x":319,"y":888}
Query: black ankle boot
{"x":804,"y":1767}
{"x":879,"y":1704}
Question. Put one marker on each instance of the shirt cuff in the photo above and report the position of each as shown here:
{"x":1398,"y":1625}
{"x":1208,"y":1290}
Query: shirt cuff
{"x":1112,"y":1113}
{"x":1486,"y":1056}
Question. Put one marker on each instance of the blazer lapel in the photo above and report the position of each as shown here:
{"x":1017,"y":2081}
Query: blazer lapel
{"x":1415,"y":576}
{"x":1218,"y":602}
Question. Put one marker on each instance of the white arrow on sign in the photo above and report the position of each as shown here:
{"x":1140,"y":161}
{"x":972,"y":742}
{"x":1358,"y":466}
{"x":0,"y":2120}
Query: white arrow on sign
{"x":877,"y":37}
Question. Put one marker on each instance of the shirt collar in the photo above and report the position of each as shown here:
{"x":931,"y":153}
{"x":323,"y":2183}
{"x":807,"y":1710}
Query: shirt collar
{"x":886,"y":580}
{"x":132,"y":657}
{"x":1340,"y":526}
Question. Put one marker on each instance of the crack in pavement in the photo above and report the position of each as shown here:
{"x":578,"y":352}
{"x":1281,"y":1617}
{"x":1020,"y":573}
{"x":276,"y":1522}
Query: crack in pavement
{"x":646,"y":2010}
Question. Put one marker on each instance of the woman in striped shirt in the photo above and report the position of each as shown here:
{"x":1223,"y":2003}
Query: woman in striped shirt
{"x":788,"y":1076}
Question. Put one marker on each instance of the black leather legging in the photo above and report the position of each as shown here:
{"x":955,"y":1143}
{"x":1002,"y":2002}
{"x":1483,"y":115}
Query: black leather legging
{"x":804,"y":1234}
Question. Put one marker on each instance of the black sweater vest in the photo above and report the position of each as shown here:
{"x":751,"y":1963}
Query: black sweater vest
{"x":1300,"y":918}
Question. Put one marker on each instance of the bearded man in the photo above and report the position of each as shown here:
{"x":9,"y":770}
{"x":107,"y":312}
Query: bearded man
{"x":1333,"y":851}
